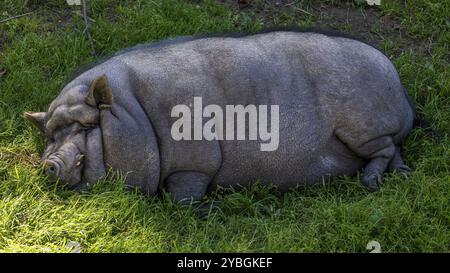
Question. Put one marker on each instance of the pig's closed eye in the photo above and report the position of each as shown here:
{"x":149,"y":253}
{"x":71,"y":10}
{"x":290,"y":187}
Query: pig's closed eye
{"x":88,"y":127}
{"x":50,"y":139}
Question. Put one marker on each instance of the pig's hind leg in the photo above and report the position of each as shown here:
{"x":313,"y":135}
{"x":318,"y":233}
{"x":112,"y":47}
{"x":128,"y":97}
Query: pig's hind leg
{"x":397,"y":164}
{"x":187,"y":186}
{"x":378,"y":152}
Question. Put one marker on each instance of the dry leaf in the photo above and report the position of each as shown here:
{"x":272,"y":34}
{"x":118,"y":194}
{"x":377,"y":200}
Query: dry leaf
{"x":373,"y":2}
{"x":73,"y":2}
{"x":74,"y":247}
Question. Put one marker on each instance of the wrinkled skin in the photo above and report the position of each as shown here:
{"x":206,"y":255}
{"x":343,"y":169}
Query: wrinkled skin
{"x":342,"y":108}
{"x":63,"y":157}
{"x":74,"y":146}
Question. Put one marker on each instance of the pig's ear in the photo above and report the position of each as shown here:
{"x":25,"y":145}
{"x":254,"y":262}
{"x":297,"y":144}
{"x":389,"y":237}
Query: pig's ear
{"x":100,"y":94}
{"x":37,"y":119}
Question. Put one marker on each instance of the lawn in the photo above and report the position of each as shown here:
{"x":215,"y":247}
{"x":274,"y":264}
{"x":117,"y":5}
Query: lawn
{"x":39,"y":52}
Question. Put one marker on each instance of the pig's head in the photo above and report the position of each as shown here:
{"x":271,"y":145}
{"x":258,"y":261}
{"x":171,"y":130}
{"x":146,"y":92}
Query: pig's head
{"x":73,"y":155}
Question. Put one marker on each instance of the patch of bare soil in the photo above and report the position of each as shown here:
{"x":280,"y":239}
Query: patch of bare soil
{"x":370,"y":26}
{"x":366,"y":24}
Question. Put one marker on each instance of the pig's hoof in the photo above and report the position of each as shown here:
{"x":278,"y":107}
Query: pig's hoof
{"x":372,"y":182}
{"x":402,"y":169}
{"x":205,"y":209}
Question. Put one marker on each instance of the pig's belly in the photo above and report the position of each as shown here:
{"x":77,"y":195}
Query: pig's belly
{"x":296,"y":162}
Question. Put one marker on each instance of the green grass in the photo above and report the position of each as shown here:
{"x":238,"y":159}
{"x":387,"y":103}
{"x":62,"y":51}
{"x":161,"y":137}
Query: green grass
{"x":40,"y":51}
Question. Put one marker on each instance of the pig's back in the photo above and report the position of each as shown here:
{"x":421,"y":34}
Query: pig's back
{"x":284,"y":69}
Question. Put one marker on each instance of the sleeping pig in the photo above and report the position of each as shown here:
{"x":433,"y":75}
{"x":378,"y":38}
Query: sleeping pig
{"x":190,"y":114}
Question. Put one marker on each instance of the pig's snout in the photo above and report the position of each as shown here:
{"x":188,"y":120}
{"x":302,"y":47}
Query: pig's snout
{"x":64,"y":168}
{"x":52,"y":169}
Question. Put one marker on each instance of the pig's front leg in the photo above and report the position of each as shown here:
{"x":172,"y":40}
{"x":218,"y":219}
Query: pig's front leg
{"x":187,"y":186}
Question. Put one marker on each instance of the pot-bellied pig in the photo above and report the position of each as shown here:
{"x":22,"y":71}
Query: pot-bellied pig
{"x":189,"y":114}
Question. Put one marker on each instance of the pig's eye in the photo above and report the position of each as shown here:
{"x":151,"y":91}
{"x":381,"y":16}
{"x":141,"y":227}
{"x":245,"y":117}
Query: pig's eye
{"x":88,"y":127}
{"x":50,"y":138}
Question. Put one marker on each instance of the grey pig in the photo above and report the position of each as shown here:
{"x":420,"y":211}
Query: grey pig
{"x":342,"y":107}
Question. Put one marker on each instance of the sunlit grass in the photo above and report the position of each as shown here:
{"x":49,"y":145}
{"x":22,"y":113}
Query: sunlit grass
{"x":407,"y":215}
